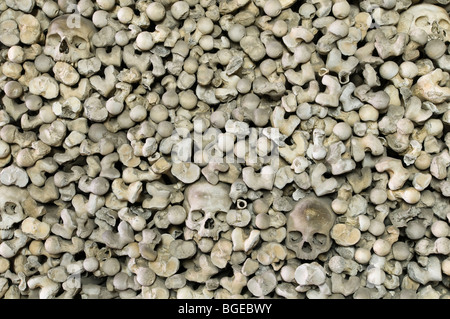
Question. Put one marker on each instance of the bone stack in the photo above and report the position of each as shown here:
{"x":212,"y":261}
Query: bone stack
{"x":224,"y":149}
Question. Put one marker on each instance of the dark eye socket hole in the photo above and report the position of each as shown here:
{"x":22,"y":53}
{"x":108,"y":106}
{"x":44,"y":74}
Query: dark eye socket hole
{"x":79,"y":43}
{"x":221,"y":216}
{"x":197,"y":215}
{"x":295,"y":236}
{"x":319,"y":239}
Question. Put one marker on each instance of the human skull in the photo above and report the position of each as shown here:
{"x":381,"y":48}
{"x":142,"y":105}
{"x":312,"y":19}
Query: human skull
{"x":69,"y":39}
{"x":432,"y":19}
{"x":207,"y":206}
{"x":308,"y":227}
{"x":11,"y":211}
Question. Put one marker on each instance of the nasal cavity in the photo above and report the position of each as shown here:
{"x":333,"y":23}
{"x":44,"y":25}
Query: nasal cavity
{"x":64,"y":47}
{"x":306,"y":247}
{"x":209,"y":224}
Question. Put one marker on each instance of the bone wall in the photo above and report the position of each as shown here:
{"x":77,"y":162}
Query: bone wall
{"x":224,"y":149}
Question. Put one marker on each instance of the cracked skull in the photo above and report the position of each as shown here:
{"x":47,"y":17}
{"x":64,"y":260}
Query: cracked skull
{"x":308,"y":228}
{"x":11,"y":211}
{"x":207,"y":206}
{"x":432,"y":19}
{"x":69,"y":39}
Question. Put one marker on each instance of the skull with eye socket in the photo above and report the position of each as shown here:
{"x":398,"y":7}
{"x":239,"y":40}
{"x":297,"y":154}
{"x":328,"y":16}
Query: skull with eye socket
{"x":207,"y":206}
{"x":308,"y":227}
{"x":432,"y":19}
{"x":69,"y":39}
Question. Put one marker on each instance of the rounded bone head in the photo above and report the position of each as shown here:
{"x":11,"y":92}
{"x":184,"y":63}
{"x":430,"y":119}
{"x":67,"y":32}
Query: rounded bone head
{"x":207,"y":206}
{"x":69,"y":38}
{"x":308,"y":227}
{"x":432,"y":19}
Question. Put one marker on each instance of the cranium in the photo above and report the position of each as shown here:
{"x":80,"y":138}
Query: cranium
{"x":11,"y":211}
{"x":207,"y":206}
{"x":432,"y":19}
{"x":69,"y":39}
{"x":308,"y":227}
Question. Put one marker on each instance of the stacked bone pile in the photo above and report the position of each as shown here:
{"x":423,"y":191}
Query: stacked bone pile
{"x":224,"y":149}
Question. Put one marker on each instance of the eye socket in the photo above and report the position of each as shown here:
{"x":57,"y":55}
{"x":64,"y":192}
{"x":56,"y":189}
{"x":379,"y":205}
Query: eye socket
{"x":444,"y":24}
{"x":79,"y":43}
{"x":10,"y":208}
{"x":422,"y":22}
{"x":295,"y":237}
{"x":197,"y":215}
{"x":319,"y":239}
{"x":221,"y":216}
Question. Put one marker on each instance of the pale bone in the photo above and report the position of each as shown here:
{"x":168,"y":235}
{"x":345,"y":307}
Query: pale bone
{"x":270,"y":219}
{"x":339,"y":165}
{"x":262,"y":284}
{"x":125,"y":192}
{"x":45,"y":116}
{"x":428,"y":87}
{"x":439,"y":164}
{"x":204,"y":269}
{"x":368,"y":142}
{"x":310,"y":274}
{"x":345,"y":286}
{"x":45,"y":86}
{"x":379,"y":100}
{"x":336,"y":64}
{"x":68,"y":40}
{"x":345,"y":235}
{"x":256,"y":181}
{"x":55,"y":245}
{"x":68,"y":226}
{"x":305,"y":75}
{"x":165,"y":265}
{"x":211,"y":171}
{"x":286,"y":126}
{"x":431,"y":272}
{"x":221,"y":253}
{"x":35,"y":228}
{"x":53,"y":134}
{"x":161,"y":195}
{"x":97,"y":186}
{"x":408,"y":194}
{"x":119,"y":239}
{"x":104,"y":147}
{"x":432,"y":19}
{"x":340,"y":265}
{"x":105,"y":85}
{"x":47,"y":287}
{"x":336,"y":30}
{"x":360,"y":179}
{"x":271,"y":253}
{"x":332,"y":93}
{"x":390,"y":47}
{"x":13,"y":175}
